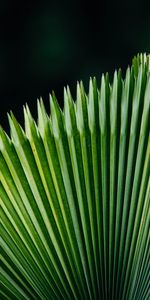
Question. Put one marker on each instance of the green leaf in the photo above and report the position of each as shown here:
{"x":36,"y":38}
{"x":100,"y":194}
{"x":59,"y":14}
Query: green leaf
{"x":75,"y":194}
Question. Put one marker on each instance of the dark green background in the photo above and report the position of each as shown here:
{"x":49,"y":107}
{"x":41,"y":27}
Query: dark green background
{"x":45,"y":45}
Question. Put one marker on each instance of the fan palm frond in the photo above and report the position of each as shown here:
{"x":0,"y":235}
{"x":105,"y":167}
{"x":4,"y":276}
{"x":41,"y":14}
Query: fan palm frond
{"x":75,"y":194}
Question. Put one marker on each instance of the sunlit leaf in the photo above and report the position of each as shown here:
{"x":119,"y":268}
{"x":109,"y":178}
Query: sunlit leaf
{"x":75,"y":194}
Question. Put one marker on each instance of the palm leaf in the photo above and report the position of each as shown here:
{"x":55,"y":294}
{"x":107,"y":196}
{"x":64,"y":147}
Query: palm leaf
{"x":75,"y":194}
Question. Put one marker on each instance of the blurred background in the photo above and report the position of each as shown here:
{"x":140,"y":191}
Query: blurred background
{"x":45,"y":45}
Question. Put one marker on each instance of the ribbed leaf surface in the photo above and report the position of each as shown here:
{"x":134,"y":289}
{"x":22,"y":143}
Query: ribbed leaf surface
{"x":75,"y":194}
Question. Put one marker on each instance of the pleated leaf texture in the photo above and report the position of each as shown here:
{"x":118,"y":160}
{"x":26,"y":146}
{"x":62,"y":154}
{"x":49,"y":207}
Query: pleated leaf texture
{"x":75,"y":194}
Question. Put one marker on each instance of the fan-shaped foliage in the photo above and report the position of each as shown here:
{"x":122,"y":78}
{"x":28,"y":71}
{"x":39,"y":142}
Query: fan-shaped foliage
{"x":75,"y":194}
